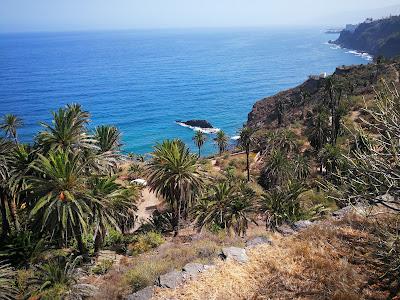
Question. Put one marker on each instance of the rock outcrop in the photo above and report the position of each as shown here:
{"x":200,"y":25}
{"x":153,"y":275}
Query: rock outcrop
{"x":235,"y":254}
{"x":380,"y":37}
{"x":197,"y":123}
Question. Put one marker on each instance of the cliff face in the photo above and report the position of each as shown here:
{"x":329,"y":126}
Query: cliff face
{"x":294,"y":103}
{"x":380,"y":37}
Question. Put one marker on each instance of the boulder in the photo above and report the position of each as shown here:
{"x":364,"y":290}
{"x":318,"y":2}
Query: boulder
{"x":144,"y":294}
{"x":81,"y":291}
{"x":285,"y":229}
{"x":260,"y":240}
{"x":171,"y":280}
{"x":301,"y":225}
{"x":193,"y":269}
{"x":234,"y":253}
{"x":197,"y":123}
{"x":342,"y":212}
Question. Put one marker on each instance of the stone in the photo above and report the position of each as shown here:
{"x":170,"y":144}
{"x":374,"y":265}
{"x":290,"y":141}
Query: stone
{"x":171,"y":280}
{"x":81,"y":291}
{"x":285,"y":229}
{"x":197,"y":123}
{"x":144,"y":294}
{"x":234,"y":253}
{"x":260,"y":240}
{"x":301,"y":225}
{"x":342,"y":212}
{"x":193,"y":268}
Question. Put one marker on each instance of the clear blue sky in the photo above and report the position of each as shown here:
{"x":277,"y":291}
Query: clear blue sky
{"x":64,"y":15}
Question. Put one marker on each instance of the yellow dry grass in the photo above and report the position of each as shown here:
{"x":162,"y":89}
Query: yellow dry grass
{"x":332,"y":260}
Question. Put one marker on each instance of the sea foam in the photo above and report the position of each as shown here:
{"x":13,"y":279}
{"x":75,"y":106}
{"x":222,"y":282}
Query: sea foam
{"x":204,"y":130}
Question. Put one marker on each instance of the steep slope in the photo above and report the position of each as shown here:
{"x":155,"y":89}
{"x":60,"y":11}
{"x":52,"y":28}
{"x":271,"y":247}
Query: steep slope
{"x":380,"y":37}
{"x":295,"y":103}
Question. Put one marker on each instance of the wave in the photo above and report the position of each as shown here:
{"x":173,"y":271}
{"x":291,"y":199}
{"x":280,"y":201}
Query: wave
{"x":195,"y":128}
{"x":364,"y":55}
{"x":235,"y":138}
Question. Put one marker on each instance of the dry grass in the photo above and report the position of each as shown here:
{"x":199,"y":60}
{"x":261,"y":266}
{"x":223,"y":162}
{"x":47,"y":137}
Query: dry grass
{"x":333,"y":260}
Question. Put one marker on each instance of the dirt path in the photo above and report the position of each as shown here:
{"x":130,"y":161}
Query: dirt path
{"x":146,"y":207}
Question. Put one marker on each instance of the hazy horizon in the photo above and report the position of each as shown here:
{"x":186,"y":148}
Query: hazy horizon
{"x":75,"y":15}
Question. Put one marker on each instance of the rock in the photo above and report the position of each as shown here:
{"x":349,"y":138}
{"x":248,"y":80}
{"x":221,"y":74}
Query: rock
{"x":81,"y":291}
{"x":301,"y":225}
{"x":171,"y":280}
{"x":341,"y":212}
{"x":193,"y":269}
{"x":144,"y":294}
{"x":197,"y":123}
{"x":234,"y":253}
{"x":260,"y":240}
{"x":285,"y":229}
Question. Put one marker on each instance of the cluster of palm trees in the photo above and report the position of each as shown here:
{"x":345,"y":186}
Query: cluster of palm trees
{"x":63,"y":187}
{"x":221,"y":140}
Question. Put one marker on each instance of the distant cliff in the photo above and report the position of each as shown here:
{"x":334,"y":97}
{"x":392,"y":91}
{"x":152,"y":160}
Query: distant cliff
{"x":380,"y":37}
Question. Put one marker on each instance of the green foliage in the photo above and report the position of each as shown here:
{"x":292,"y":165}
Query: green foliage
{"x":226,"y":205}
{"x":222,"y":141}
{"x":318,"y":131}
{"x":10,"y":125}
{"x":7,"y":282}
{"x":102,"y":267}
{"x":282,"y":204}
{"x":199,"y":139}
{"x":145,"y":242}
{"x":277,"y":171}
{"x":173,"y":174}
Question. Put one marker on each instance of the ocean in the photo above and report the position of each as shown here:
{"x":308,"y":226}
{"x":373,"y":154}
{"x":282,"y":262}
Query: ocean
{"x":142,"y":81}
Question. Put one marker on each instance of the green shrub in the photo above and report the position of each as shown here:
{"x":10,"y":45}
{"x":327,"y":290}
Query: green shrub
{"x":145,"y":242}
{"x":102,"y":267}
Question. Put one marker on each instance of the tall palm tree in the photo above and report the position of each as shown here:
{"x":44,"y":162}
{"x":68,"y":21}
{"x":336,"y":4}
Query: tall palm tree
{"x":245,"y":142}
{"x":63,"y":201}
{"x":173,"y":174}
{"x":67,"y":131}
{"x":115,"y":206}
{"x":221,"y":140}
{"x":199,"y":139}
{"x":10,"y":124}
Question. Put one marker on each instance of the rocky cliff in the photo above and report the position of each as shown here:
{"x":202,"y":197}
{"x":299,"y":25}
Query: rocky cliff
{"x":380,"y":37}
{"x":292,"y":105}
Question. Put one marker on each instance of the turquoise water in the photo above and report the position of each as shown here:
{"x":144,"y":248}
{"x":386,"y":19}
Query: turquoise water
{"x":142,"y":81}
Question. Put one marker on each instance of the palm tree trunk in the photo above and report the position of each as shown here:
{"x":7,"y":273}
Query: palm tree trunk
{"x":199,"y":152}
{"x":13,"y":212}
{"x":248,"y":164}
{"x":79,"y":240}
{"x":5,"y":224}
{"x":98,"y":241}
{"x":178,"y":218}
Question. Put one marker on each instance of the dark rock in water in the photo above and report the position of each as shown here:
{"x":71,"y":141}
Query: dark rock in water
{"x":197,"y":123}
{"x":260,"y":240}
{"x":144,"y":294}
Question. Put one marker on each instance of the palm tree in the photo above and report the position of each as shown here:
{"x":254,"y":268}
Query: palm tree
{"x":7,"y":280}
{"x":301,"y":167}
{"x":281,"y":204}
{"x":115,"y":206}
{"x":227,"y":205}
{"x":173,"y":174}
{"x":199,"y":139}
{"x":6,"y":148}
{"x":245,"y":142}
{"x":221,"y":140}
{"x":108,"y":140}
{"x":330,"y":157}
{"x":318,"y":132}
{"x":10,"y":125}
{"x":68,"y":130}
{"x":63,"y":201}
{"x":277,"y":170}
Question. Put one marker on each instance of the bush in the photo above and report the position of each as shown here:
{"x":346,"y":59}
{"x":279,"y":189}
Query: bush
{"x":102,"y":267}
{"x":145,"y":242}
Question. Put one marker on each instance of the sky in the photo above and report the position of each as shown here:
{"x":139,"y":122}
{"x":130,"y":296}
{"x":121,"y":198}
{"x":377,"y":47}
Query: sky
{"x":71,"y":15}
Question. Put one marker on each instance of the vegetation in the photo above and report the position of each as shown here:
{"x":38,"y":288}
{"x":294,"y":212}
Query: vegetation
{"x":199,"y":140}
{"x":221,"y":140}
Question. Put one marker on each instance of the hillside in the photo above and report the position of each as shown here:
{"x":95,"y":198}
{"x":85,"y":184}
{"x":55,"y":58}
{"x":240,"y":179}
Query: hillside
{"x":380,"y":37}
{"x":294,"y":104}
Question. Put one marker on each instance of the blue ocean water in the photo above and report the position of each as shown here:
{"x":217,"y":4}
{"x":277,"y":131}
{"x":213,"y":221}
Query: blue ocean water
{"x":142,"y":81}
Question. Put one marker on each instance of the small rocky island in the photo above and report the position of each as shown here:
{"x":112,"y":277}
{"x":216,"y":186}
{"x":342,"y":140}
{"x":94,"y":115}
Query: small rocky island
{"x":197,"y":123}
